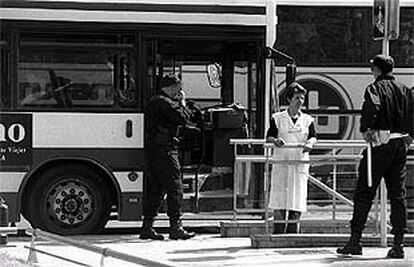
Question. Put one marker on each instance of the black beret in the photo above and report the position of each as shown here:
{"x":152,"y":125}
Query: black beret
{"x":383,"y":62}
{"x":169,"y":80}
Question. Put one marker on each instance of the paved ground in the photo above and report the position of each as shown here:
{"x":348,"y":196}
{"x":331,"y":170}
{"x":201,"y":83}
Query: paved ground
{"x":203,"y":250}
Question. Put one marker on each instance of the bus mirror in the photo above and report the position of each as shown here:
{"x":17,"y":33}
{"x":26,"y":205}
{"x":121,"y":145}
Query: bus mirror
{"x":290,"y":74}
{"x":378,"y":19}
{"x":214,"y":75}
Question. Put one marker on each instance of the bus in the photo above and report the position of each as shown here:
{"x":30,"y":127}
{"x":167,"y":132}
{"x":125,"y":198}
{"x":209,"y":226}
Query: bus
{"x":331,"y":43}
{"x":75,"y":76}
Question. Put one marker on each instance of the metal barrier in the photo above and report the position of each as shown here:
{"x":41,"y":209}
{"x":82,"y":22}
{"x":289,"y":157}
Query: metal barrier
{"x":8,"y":230}
{"x":4,"y":231}
{"x":266,"y":158}
{"x":105,"y":252}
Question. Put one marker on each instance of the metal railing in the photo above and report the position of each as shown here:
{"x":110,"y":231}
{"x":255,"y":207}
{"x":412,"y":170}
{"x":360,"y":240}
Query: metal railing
{"x":104,"y":252}
{"x":4,"y":232}
{"x":8,"y":230}
{"x":244,"y":161}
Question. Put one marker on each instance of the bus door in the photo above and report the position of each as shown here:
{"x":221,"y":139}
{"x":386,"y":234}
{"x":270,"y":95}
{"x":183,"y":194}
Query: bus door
{"x":222,"y":78}
{"x":215,"y":75}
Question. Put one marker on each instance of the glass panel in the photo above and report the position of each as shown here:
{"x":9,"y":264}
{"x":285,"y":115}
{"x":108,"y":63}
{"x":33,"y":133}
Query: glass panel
{"x":314,"y":35}
{"x":337,"y":35}
{"x":152,"y":65}
{"x":64,"y":75}
{"x":253,"y":127}
{"x":241,"y":83}
{"x":2,"y":79}
{"x":4,"y":74}
{"x":403,"y":49}
{"x":373,"y":47}
{"x":195,"y":81}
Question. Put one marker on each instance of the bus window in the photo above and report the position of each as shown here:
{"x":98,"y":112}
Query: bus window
{"x":2,"y":76}
{"x":339,"y":35}
{"x":64,"y":74}
{"x":123,"y":72}
{"x":314,"y":35}
{"x":402,"y":49}
{"x":245,"y":87}
{"x":195,"y":81}
{"x":4,"y":85}
{"x":241,"y":83}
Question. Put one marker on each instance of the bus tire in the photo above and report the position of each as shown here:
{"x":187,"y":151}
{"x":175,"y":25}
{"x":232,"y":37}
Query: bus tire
{"x":69,"y":200}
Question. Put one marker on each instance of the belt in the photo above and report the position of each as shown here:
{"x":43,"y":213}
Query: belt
{"x":397,"y":135}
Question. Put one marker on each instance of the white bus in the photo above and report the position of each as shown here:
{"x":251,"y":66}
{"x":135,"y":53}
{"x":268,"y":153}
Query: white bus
{"x":332,"y":43}
{"x":74,"y":80}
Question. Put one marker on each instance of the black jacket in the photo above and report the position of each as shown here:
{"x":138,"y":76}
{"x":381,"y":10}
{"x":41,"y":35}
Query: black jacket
{"x":388,"y":105}
{"x":163,"y":117}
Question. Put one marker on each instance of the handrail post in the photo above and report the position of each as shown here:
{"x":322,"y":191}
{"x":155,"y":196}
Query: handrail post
{"x":369,"y":163}
{"x":265,"y":188}
{"x":334,"y":187}
{"x":102,"y":262}
{"x":376,"y":211}
{"x":32,"y":258}
{"x":235,"y":177}
{"x":383,"y":214}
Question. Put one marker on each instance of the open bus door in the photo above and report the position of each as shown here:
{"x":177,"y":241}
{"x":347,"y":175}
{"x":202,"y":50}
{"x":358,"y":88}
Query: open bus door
{"x":235,"y":85}
{"x":221,"y":78}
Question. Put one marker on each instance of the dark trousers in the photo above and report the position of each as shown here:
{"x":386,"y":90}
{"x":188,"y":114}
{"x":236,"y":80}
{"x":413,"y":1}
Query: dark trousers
{"x":283,"y":228}
{"x":163,"y":178}
{"x":389,"y":162}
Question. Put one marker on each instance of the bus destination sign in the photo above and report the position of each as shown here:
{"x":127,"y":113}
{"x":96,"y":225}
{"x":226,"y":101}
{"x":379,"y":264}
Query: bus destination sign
{"x":15,"y":139}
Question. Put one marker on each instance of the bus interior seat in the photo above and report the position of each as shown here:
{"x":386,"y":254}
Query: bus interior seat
{"x":28,"y":88}
{"x":80,"y":91}
{"x":101,"y":91}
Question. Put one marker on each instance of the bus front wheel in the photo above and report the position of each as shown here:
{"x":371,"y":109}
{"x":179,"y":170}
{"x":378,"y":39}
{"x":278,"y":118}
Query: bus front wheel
{"x":69,"y":200}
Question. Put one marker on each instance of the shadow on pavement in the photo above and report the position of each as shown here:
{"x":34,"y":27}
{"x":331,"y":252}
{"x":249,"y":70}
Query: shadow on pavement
{"x":205,"y":250}
{"x":203,"y":259}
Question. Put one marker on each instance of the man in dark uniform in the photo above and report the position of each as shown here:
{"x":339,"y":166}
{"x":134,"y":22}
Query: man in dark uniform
{"x":387,"y":123}
{"x":165,"y":113}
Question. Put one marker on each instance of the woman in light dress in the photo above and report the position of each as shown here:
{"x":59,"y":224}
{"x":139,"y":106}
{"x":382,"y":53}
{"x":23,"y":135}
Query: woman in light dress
{"x":288,"y":192}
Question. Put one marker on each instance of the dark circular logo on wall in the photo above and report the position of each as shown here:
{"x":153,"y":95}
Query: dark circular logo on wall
{"x":325,"y":96}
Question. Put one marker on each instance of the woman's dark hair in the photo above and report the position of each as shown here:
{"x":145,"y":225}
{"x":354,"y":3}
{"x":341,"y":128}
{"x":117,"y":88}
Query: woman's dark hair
{"x":295,"y":88}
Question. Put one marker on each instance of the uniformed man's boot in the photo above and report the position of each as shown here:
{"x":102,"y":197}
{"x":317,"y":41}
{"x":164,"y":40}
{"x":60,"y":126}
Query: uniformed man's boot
{"x":353,"y":246}
{"x":177,"y":231}
{"x":397,"y":250}
{"x":147,"y":232}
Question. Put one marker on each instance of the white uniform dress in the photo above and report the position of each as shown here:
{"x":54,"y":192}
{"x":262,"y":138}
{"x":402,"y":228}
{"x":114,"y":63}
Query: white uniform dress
{"x":288,"y":189}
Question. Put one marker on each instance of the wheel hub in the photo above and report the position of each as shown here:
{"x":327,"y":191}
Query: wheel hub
{"x":71,"y":202}
{"x":71,"y":205}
